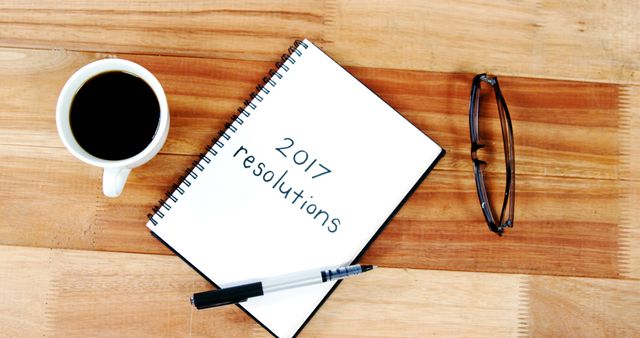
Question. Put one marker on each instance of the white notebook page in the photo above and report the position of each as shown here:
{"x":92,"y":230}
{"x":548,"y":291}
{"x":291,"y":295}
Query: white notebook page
{"x":348,"y":159}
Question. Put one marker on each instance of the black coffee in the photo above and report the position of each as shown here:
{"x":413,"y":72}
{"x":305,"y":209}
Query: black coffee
{"x":114,"y":116}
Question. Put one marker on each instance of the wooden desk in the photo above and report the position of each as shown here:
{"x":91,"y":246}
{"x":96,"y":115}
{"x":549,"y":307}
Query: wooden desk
{"x":74,"y":263}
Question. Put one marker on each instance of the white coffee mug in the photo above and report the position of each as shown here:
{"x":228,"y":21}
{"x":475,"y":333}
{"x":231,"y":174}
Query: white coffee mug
{"x":115,"y":172}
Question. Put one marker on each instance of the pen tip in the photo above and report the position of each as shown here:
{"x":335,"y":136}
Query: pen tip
{"x":367,"y":267}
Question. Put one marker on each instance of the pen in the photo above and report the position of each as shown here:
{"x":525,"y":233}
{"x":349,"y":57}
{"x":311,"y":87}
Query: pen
{"x":241,"y":293}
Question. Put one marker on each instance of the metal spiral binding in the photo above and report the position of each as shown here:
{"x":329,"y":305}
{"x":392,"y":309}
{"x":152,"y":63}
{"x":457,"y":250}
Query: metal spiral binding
{"x":217,"y":142}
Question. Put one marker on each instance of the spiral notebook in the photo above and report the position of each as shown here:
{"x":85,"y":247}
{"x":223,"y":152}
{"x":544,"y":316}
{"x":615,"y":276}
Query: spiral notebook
{"x":305,"y":176}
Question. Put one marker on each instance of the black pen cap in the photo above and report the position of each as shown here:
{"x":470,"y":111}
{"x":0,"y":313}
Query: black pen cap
{"x":224,"y":296}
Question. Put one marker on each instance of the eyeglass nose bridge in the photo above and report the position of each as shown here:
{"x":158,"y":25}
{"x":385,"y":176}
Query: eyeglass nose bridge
{"x":488,"y":79}
{"x":474,"y":153}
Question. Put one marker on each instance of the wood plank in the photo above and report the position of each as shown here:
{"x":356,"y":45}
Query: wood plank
{"x":252,"y":30}
{"x":47,"y":198}
{"x":50,"y":199}
{"x":25,"y":276}
{"x":595,"y":41}
{"x":101,"y":294}
{"x":580,"y":307}
{"x":557,"y":131}
{"x":628,"y":126}
{"x":630,"y":167}
{"x":444,"y":303}
{"x":423,"y":303}
{"x":77,"y":291}
{"x":561,"y":128}
{"x":564,"y":226}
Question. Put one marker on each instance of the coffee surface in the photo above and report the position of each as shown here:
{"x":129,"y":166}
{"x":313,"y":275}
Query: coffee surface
{"x":114,"y":116}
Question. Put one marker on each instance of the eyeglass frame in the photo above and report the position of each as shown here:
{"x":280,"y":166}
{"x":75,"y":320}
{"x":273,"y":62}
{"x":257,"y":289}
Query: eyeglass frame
{"x":478,"y":165}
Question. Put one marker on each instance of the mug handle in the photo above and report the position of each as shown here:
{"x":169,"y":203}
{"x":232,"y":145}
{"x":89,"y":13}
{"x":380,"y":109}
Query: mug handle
{"x":113,"y":180}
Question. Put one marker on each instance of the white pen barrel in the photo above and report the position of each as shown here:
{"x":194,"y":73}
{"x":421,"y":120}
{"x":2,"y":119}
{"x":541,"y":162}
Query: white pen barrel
{"x":305,"y":278}
{"x":291,"y":281}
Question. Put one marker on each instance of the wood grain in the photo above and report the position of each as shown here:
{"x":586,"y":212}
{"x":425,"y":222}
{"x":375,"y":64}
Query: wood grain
{"x":557,"y":232}
{"x":438,"y":228}
{"x":572,"y":193}
{"x":596,"y":307}
{"x":553,"y":120}
{"x":570,"y":73}
{"x":25,"y":276}
{"x":75,"y":296}
{"x":537,"y":38}
{"x":45,"y":200}
{"x":82,"y":293}
{"x":629,"y":252}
